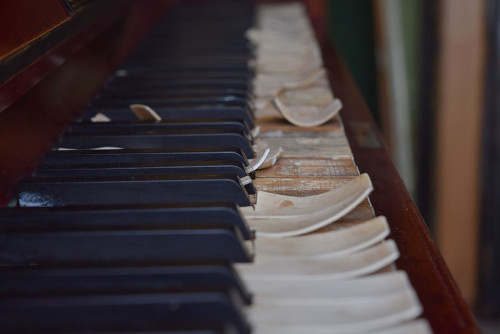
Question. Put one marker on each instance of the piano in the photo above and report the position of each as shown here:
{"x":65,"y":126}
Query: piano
{"x":149,"y":232}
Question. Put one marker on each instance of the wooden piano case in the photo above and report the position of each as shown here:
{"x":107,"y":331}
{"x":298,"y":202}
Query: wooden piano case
{"x":44,"y":85}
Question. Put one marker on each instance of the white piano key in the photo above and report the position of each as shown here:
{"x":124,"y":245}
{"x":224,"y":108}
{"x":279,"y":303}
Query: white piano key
{"x":345,"y":315}
{"x":278,"y":216}
{"x":419,"y":326}
{"x":333,"y":243}
{"x":353,"y":265}
{"x":307,"y":287}
{"x":308,"y":116}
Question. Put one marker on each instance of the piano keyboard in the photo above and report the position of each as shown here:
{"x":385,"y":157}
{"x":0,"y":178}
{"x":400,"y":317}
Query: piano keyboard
{"x":156,"y":218}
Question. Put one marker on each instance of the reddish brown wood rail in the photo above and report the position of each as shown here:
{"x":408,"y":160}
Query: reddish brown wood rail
{"x":21,"y":22}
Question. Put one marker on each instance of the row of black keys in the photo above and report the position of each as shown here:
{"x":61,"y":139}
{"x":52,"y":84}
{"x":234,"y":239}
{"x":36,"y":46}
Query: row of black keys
{"x":142,"y":239}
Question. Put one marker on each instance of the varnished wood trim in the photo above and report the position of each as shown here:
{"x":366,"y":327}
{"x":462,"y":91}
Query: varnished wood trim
{"x":461,"y":62}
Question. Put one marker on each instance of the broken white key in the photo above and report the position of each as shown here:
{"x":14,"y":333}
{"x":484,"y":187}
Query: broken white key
{"x":269,"y":86}
{"x":419,"y":326}
{"x":262,"y":37}
{"x":258,"y":160}
{"x":278,"y":216}
{"x":100,"y":118}
{"x":307,"y":287}
{"x":308,"y":116}
{"x":333,"y":243}
{"x":316,"y":96}
{"x":334,"y":315}
{"x":145,"y":113}
{"x":272,"y":157}
{"x":352,"y":265}
{"x":255,"y":132}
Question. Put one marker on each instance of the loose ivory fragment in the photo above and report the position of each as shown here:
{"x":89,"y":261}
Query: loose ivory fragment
{"x":335,"y":315}
{"x":277,"y":216}
{"x":272,"y":157}
{"x":245,"y":180}
{"x":262,"y":37}
{"x":92,"y":148}
{"x":333,"y":243}
{"x":100,"y":118}
{"x":306,"y":115}
{"x":349,"y":266}
{"x":258,"y":160}
{"x":306,"y":287}
{"x":283,"y":64}
{"x":255,"y":131}
{"x":145,"y":113}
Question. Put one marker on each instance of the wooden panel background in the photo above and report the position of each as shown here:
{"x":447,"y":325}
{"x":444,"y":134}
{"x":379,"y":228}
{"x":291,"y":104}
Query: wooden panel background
{"x":461,"y":61}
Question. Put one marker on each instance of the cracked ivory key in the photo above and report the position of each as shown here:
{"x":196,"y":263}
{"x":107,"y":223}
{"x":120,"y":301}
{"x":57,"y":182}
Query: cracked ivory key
{"x":418,"y":326}
{"x":145,"y":113}
{"x":333,"y":243}
{"x":273,"y":156}
{"x":278,"y":216}
{"x":306,"y":287}
{"x":270,"y":86}
{"x":353,"y":265}
{"x":258,"y":160}
{"x":306,"y":115}
{"x":341,"y":315}
{"x":296,"y":67}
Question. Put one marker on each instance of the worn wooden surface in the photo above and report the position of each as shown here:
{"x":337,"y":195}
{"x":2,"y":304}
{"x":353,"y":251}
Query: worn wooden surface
{"x":314,"y":160}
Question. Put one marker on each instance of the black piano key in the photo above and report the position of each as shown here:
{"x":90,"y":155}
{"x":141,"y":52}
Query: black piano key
{"x":46,"y":281}
{"x":237,"y":63}
{"x":185,"y":125}
{"x":114,"y":93}
{"x":144,"y":156}
{"x":166,"y":102}
{"x":160,"y":139}
{"x":148,"y":169}
{"x":128,"y":75}
{"x":133,"y":190}
{"x":186,"y":83}
{"x":142,"y":169}
{"x":133,"y":312}
{"x":133,"y":217}
{"x":141,"y":66}
{"x":123,"y":247}
{"x":220,"y":113}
